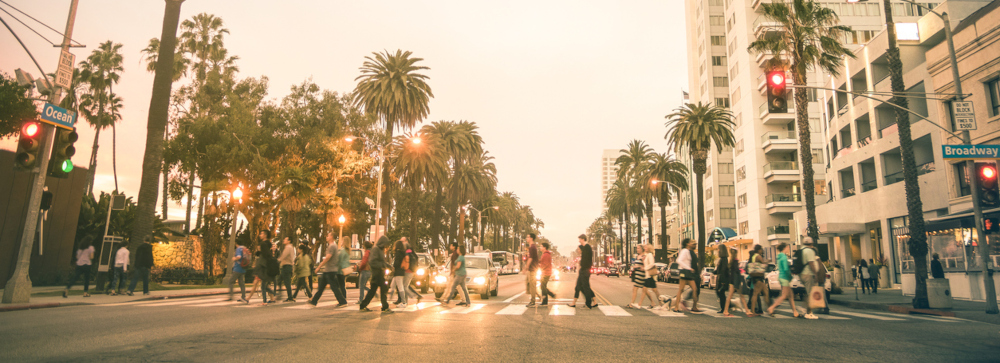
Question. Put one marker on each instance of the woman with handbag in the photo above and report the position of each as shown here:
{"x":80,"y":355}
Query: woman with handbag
{"x":785,"y":279}
{"x":735,"y":282}
{"x":344,"y":262}
{"x":400,"y":262}
{"x":638,"y":278}
{"x":865,"y":276}
{"x":756,"y":270}
{"x":688,"y":277}
{"x":722,"y":277}
{"x":649,"y":285}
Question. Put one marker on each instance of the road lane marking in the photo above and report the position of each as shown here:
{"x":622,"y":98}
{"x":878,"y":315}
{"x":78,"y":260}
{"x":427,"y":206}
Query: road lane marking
{"x":666,"y":313}
{"x":180,"y":302}
{"x":611,"y":310}
{"x":930,"y":318}
{"x":869,"y":316}
{"x":562,"y":310}
{"x":802,"y":312}
{"x":515,"y":297}
{"x":464,"y":310}
{"x":513,"y":310}
{"x":416,"y":307}
{"x":220,"y":303}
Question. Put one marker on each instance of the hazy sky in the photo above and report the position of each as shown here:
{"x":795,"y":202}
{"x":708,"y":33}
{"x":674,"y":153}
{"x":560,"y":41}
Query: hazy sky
{"x":550,"y":83}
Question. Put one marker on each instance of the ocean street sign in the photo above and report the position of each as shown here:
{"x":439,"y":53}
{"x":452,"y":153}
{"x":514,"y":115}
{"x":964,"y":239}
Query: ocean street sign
{"x":959,"y":152}
{"x":58,"y":116}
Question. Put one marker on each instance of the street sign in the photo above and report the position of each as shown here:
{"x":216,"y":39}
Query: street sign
{"x":964,"y":116}
{"x":57,"y":116}
{"x":968,"y":152}
{"x":64,"y":73}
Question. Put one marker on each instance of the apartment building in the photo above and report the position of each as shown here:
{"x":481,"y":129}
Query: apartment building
{"x":764,"y":175}
{"x":609,"y":174}
{"x":865,"y":216}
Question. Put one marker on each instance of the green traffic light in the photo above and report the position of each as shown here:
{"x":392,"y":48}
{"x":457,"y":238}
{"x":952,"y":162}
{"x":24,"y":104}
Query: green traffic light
{"x":67,"y":166}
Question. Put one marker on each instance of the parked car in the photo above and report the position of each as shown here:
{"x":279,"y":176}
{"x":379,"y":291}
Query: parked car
{"x":482,"y":277}
{"x":671,"y":275}
{"x":355,"y":260}
{"x":708,"y":277}
{"x":612,"y":271}
{"x":424,"y":272}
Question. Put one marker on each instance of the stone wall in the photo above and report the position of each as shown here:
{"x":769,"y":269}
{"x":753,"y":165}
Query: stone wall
{"x":179,"y":253}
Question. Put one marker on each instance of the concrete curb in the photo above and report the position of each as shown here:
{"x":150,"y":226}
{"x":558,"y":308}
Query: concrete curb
{"x":4,"y":309}
{"x":899,"y":309}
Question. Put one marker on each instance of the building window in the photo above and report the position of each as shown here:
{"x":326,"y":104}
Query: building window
{"x":708,"y":193}
{"x":718,"y":40}
{"x":817,"y":156}
{"x":727,"y":190}
{"x":719,"y":60}
{"x":725,"y":168}
{"x":716,"y":20}
{"x":993,"y":88}
{"x":820,"y":186}
{"x":739,"y":147}
{"x":962,"y":180}
{"x":741,"y":173}
{"x":720,"y":81}
{"x":741,"y":201}
{"x":744,"y":227}
{"x":722,"y":102}
{"x":727,"y":213}
{"x":709,"y":216}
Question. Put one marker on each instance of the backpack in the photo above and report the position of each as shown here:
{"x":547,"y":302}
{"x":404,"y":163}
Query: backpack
{"x":406,"y":262}
{"x":797,"y":264}
{"x":245,"y":257}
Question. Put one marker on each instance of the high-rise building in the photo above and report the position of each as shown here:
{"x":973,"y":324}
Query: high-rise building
{"x":755,"y":188}
{"x":609,"y":174}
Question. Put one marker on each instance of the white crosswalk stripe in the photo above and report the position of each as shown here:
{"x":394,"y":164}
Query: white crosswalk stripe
{"x":613,"y":310}
{"x":867,"y":316}
{"x":561,"y":310}
{"x":666,"y":313}
{"x":517,"y":309}
{"x":464,"y":310}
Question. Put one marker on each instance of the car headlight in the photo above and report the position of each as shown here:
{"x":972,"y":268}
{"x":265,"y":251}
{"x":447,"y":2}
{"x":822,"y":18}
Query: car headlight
{"x":479,"y":280}
{"x":441,"y":279}
{"x":388,"y":271}
{"x":420,"y":272}
{"x":538,"y":274}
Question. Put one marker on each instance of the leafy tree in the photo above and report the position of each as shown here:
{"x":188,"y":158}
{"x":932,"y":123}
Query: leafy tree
{"x":15,"y":106}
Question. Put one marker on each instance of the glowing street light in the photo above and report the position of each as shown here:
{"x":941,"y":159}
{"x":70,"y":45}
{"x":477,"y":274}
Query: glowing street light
{"x":342,"y":220}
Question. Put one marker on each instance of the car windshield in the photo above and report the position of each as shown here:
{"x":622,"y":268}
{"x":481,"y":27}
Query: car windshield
{"x":423,"y":260}
{"x":477,"y":263}
{"x":356,"y":254}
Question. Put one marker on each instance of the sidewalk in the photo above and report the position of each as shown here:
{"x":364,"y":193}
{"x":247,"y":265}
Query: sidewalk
{"x":50,"y":297}
{"x":892,"y":300}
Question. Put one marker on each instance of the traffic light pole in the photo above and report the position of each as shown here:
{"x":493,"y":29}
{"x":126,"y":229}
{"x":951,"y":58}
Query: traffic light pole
{"x":18,"y":288}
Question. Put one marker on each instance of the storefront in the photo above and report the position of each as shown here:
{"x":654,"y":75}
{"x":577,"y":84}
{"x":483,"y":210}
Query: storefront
{"x":956,"y":242}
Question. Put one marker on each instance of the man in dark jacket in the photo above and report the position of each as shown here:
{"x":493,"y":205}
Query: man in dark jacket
{"x":143,"y":262}
{"x":376,"y":261}
{"x":583,"y":276}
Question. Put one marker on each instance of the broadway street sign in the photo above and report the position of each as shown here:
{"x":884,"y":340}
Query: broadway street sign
{"x":959,"y":152}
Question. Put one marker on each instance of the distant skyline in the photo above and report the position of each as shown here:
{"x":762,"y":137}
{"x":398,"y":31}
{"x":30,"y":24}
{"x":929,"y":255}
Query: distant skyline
{"x":550,"y":84}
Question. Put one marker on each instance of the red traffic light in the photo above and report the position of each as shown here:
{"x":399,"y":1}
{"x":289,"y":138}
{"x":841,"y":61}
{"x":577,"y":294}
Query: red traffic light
{"x":30,"y":129}
{"x":989,"y":172}
{"x":777,"y":79}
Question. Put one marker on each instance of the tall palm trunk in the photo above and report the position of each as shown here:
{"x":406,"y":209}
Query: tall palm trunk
{"x":166,"y":174}
{"x":638,"y":226}
{"x":805,"y":153}
{"x":190,"y":201}
{"x":437,"y":221}
{"x":156,"y":124}
{"x":649,"y":219}
{"x":699,"y":166}
{"x":201,"y":212}
{"x":114,"y":154}
{"x":93,"y":161}
{"x":915,"y":208}
{"x":663,"y":225}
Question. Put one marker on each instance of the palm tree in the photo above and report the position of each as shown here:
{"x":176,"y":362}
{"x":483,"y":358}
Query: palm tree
{"x":202,"y":38}
{"x":699,"y":127}
{"x":631,"y":165}
{"x":159,"y":112}
{"x":470,"y":183}
{"x":420,"y":168}
{"x":670,"y":178}
{"x":390,"y":88}
{"x":810,"y":35}
{"x":181,"y":62}
{"x":101,"y":70}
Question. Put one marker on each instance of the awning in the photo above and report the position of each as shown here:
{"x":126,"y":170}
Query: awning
{"x":958,"y":220}
{"x":721,"y":234}
{"x":731,"y":244}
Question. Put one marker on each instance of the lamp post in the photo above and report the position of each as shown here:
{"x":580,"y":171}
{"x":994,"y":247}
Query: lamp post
{"x":381,"y":162}
{"x":236,"y":201}
{"x":479,"y":215}
{"x":342,"y":219}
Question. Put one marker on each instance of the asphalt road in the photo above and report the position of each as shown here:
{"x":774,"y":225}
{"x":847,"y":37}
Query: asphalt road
{"x":500,"y":329}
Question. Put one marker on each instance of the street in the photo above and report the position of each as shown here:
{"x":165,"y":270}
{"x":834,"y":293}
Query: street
{"x":497,"y":329}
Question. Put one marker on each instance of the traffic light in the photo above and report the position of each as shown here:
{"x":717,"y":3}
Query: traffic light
{"x":62,"y":152}
{"x":777,"y":92}
{"x":28,"y":146}
{"x":989,"y":193}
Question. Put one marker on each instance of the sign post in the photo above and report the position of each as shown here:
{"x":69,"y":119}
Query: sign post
{"x":64,"y":73}
{"x":964,"y":116}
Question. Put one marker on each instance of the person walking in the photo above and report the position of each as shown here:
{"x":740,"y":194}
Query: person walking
{"x":459,"y":273}
{"x":364,"y":272}
{"x":302,"y":271}
{"x":330,"y":264}
{"x":120,"y":269}
{"x":532,"y":266}
{"x":863,"y":275}
{"x":143,"y":262}
{"x":344,"y":262}
{"x":757,"y":281}
{"x":735,"y":282}
{"x":84,"y":256}
{"x":545,"y":264}
{"x":638,"y":278}
{"x":722,"y":277}
{"x":414,"y":265}
{"x":241,"y":260}
{"x":377,"y":264}
{"x":400,"y":262}
{"x":937,"y":271}
{"x":262,"y":271}
{"x":785,"y":280}
{"x":649,"y":284}
{"x":286,"y":259}
{"x":873,"y":272}
{"x":813,"y":273}
{"x":583,"y":275}
{"x":685,"y":263}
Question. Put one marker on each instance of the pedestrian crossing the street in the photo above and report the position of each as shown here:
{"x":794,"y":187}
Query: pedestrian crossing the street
{"x":506,"y":308}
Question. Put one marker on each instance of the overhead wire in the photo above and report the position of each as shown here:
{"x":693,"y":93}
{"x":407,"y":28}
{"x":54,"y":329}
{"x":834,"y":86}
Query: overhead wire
{"x":37,"y":21}
{"x":24,"y":46}
{"x":27,"y":26}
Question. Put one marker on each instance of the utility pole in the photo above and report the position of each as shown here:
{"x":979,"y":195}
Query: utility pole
{"x":18,"y":289}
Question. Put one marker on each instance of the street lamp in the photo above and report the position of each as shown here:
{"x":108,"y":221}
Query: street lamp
{"x":479,"y":215}
{"x":236,"y":200}
{"x":381,"y":161}
{"x":342,"y":219}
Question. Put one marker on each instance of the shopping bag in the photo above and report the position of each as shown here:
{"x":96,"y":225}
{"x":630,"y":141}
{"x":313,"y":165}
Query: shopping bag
{"x":816,"y":298}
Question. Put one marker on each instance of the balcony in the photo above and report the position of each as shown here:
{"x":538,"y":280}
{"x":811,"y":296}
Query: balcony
{"x":783,"y":203}
{"x":779,"y":141}
{"x":921,"y":170}
{"x":848,"y":192}
{"x":775,"y":119}
{"x":843,"y":151}
{"x":869,"y":185}
{"x":777,"y":232}
{"x":781,"y":172}
{"x":763,"y":26}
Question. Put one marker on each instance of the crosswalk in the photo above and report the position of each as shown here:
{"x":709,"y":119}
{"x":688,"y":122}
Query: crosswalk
{"x":509,"y":308}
